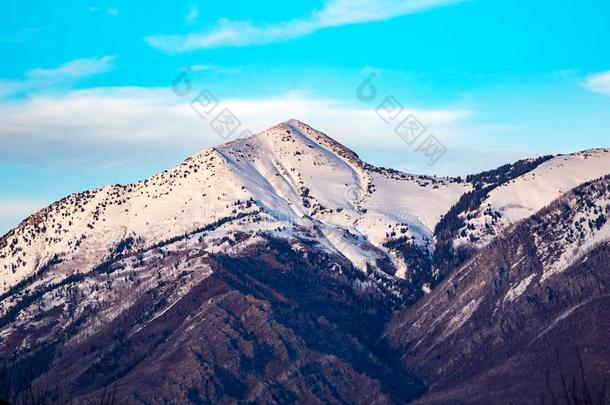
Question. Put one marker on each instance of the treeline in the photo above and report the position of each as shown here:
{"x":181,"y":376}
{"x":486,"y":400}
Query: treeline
{"x":418,"y":260}
{"x":446,"y":257}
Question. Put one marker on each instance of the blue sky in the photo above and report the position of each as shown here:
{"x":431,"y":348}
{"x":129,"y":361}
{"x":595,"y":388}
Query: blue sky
{"x":86,"y":87}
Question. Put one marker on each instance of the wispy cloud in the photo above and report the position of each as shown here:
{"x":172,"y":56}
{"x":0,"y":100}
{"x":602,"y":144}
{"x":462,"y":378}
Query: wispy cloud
{"x":193,"y":14}
{"x":63,"y":75}
{"x":73,"y":70}
{"x":334,"y":13}
{"x":109,"y":10}
{"x":104,"y":125}
{"x":117,"y":129}
{"x":599,"y":82}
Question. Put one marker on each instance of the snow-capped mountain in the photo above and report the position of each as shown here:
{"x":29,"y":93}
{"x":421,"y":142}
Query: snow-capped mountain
{"x":502,"y":197}
{"x":532,"y":297}
{"x":525,"y":195}
{"x":267,"y":270}
{"x":287,"y":178}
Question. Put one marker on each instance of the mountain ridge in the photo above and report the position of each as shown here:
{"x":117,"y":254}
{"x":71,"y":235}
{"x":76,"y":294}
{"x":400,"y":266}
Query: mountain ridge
{"x":520,"y":292}
{"x":284,"y":261}
{"x":271,"y":182}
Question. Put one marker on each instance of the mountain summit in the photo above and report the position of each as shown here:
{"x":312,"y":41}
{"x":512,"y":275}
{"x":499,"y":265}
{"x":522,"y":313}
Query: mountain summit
{"x":290,"y":178}
{"x":282,"y":268}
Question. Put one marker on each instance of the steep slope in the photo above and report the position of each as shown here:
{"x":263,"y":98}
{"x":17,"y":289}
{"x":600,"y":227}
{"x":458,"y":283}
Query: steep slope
{"x":505,"y":196}
{"x":287,"y":221}
{"x":493,"y":329}
{"x":523,"y":196}
{"x":267,"y":269}
{"x":271,"y":322}
{"x":291,"y":174}
{"x":448,"y":252}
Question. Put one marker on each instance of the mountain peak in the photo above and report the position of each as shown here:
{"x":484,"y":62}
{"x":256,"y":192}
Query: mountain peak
{"x":294,"y":127}
{"x":290,"y":176}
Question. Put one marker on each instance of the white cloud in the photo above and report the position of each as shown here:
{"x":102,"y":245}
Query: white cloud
{"x":66,"y":74}
{"x":110,"y":10}
{"x":342,"y":12}
{"x":192,"y":15}
{"x":119,"y":129}
{"x":73,"y":70}
{"x":8,"y":87}
{"x":334,"y":13}
{"x":599,"y":82}
{"x":106,"y":125}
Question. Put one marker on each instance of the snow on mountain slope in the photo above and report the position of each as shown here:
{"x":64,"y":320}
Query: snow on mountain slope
{"x":311,"y":177}
{"x":580,"y":219}
{"x":82,"y":229}
{"x":536,"y":250}
{"x":521,"y":303}
{"x":525,"y":195}
{"x":286,"y":179}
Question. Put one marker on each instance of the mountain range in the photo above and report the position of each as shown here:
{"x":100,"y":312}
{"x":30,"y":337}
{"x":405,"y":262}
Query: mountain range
{"x":281,"y":268}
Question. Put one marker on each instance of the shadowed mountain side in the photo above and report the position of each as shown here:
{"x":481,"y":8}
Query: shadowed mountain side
{"x":270,"y":326}
{"x":519,"y":308}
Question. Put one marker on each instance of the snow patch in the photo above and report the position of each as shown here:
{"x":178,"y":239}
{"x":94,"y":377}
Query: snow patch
{"x":516,"y":291}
